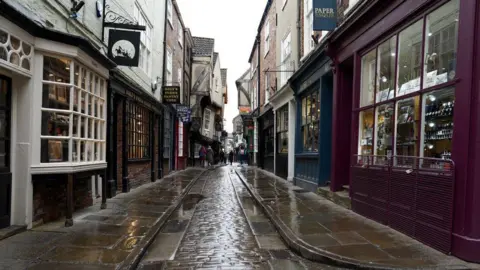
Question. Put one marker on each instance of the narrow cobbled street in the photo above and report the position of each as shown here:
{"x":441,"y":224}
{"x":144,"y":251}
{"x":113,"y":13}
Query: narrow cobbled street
{"x":219,"y":227}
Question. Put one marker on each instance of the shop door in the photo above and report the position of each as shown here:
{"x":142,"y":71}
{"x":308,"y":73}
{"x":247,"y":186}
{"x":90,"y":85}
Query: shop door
{"x":5,"y":174}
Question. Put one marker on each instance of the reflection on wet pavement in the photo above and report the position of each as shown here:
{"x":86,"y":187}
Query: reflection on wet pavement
{"x":99,"y":239}
{"x":221,"y":233}
{"x":329,"y":227}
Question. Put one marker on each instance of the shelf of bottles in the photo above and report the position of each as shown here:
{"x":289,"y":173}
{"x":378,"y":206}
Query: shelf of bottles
{"x":438,"y":128}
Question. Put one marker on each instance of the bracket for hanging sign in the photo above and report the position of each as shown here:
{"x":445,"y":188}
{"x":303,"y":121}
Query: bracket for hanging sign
{"x":113,"y":19}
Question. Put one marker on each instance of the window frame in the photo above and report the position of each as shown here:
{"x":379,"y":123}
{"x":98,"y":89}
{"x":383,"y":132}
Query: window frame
{"x":267,"y":37}
{"x":308,"y":26}
{"x":420,"y":94}
{"x":169,"y":70}
{"x":138,"y":141}
{"x":170,"y":12}
{"x":267,"y":88}
{"x":83,"y":85}
{"x":286,"y":52}
{"x":145,"y":54}
{"x":282,"y":121}
{"x":305,"y":122}
{"x":180,"y":34}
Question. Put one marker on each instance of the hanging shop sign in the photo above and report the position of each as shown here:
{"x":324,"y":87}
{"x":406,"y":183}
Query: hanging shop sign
{"x":324,"y":15}
{"x":171,"y":94}
{"x":244,"y":110}
{"x":184,"y":113}
{"x":123,"y":47}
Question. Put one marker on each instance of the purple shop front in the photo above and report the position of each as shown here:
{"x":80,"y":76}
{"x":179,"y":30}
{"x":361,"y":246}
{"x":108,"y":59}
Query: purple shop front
{"x":406,"y":118}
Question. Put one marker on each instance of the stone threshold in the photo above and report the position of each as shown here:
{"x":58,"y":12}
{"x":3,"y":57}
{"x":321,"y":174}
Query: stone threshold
{"x":11,"y":231}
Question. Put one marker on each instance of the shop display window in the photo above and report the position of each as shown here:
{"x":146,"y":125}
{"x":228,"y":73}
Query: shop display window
{"x":410,"y":59}
{"x":441,"y":44}
{"x":365,"y":138}
{"x":384,"y":126}
{"x":407,"y":131}
{"x":437,"y":126}
{"x":138,"y":135}
{"x":69,"y":128}
{"x":310,"y":122}
{"x":386,"y":70}
{"x":425,"y":135}
{"x":369,"y":63}
{"x":282,"y":129}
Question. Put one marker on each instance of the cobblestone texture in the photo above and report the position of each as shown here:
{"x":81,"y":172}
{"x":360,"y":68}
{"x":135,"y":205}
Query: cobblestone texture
{"x":219,"y":235}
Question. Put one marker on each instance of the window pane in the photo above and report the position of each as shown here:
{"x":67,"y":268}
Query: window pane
{"x":304,"y":111}
{"x":315,"y":108}
{"x":438,"y":123}
{"x":76,"y":123}
{"x":441,"y":44}
{"x":56,"y":69}
{"x":77,"y":75}
{"x":55,"y":124}
{"x":54,"y":150}
{"x":384,"y":131}
{"x":282,"y":139}
{"x":309,"y":109}
{"x":365,"y":133}
{"x":56,"y":97}
{"x":386,"y":70}
{"x":368,"y":78}
{"x":407,"y":128}
{"x":75,"y":153}
{"x":409,"y":59}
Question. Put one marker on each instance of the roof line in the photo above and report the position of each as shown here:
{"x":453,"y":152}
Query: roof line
{"x":259,"y":29}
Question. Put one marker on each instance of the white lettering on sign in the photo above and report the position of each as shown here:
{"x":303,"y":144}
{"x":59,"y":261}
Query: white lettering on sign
{"x":325,"y":12}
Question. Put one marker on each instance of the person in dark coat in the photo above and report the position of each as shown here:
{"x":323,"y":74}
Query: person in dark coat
{"x":230,"y":157}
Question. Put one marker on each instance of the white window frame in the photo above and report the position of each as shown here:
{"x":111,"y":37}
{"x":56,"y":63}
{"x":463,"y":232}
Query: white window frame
{"x":180,"y":34}
{"x":286,"y":52}
{"x":145,"y":54}
{"x":267,"y":37}
{"x":170,"y":12}
{"x":180,"y":139}
{"x":169,"y":74}
{"x":179,"y":80}
{"x":267,"y":91}
{"x":216,"y":85}
{"x":206,"y":121}
{"x":308,"y":27}
{"x":83,"y":85}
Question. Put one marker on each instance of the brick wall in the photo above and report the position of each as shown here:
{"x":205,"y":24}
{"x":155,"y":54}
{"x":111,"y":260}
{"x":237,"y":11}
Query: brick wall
{"x":174,"y":45}
{"x":50,"y":197}
{"x":119,"y":145}
{"x":139,"y":173}
{"x":268,"y":61}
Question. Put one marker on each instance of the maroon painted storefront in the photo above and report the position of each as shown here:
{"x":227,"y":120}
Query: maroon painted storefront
{"x":442,"y":195}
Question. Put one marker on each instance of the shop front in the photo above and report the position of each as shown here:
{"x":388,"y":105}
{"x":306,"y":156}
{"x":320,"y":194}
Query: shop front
{"x":313,"y":88}
{"x":284,"y":109}
{"x":413,"y":121}
{"x":267,"y":140}
{"x":137,"y":118}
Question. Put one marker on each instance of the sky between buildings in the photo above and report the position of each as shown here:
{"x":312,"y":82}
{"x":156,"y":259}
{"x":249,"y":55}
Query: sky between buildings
{"x":233,"y":24}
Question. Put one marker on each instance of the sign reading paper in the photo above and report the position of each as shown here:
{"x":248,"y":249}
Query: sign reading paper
{"x":324,"y":15}
{"x":171,"y":94}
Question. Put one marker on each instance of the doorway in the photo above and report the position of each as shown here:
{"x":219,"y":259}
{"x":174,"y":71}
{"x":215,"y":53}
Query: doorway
{"x":5,"y":173}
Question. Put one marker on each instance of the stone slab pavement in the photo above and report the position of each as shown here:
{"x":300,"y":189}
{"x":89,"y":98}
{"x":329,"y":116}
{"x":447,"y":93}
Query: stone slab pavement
{"x":112,"y":238}
{"x":320,"y":230}
{"x":220,"y":227}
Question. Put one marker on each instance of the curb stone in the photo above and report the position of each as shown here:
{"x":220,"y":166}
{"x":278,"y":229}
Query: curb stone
{"x":133,"y":259}
{"x":308,"y":251}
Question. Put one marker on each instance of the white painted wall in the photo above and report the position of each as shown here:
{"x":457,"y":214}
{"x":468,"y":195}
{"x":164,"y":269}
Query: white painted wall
{"x":351,"y":4}
{"x":217,"y":90}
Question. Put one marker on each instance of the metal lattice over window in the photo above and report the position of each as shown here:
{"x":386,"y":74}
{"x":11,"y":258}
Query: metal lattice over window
{"x":15,"y":51}
{"x":73,"y":113}
{"x":138,"y":136}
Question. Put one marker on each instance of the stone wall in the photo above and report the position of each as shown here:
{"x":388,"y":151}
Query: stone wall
{"x":139,"y":173}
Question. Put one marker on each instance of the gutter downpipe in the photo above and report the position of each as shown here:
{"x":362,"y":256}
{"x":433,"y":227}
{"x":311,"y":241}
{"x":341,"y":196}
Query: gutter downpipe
{"x":258,"y":94}
{"x":162,"y":122}
{"x":299,"y":32}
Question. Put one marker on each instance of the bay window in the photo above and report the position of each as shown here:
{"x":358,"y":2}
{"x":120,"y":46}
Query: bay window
{"x":282,"y":129}
{"x":310,"y":121}
{"x":138,"y":132}
{"x":417,"y":118}
{"x":73,"y":113}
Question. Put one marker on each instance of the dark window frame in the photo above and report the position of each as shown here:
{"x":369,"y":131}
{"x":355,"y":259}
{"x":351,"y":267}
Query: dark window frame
{"x":138,"y":132}
{"x":282,"y":127}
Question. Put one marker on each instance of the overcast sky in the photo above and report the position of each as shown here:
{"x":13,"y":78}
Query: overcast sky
{"x":233,"y":25}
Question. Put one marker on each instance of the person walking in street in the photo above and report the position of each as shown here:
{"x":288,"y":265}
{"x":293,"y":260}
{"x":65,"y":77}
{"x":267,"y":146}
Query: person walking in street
{"x":210,"y":156}
{"x":203,"y":155}
{"x":230,"y":157}
{"x":222,"y":157}
{"x":241,"y":154}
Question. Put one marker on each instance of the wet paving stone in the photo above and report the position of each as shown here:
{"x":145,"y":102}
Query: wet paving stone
{"x":87,"y":240}
{"x":218,"y":234}
{"x":70,"y":266}
{"x":87,"y":255}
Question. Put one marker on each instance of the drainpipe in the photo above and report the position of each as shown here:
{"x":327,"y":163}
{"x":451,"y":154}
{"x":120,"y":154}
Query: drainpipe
{"x":162,"y":122}
{"x":299,"y":31}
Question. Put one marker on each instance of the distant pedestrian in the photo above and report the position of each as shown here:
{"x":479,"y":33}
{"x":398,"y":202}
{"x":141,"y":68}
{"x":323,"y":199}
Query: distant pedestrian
{"x":203,"y":155}
{"x":241,"y":154}
{"x":210,"y":156}
{"x":222,"y":157}
{"x":230,"y":157}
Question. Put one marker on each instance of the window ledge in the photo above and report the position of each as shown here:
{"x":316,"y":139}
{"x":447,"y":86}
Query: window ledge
{"x":59,"y":168}
{"x":308,"y":154}
{"x":138,"y":160}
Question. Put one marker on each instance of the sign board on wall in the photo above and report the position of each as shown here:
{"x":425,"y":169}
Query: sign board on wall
{"x":123,"y":47}
{"x":184,"y":113}
{"x":171,"y":94}
{"x":244,"y":110}
{"x":324,"y":15}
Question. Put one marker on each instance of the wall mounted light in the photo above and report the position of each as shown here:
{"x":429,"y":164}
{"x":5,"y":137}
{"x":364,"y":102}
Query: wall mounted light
{"x":155,"y":84}
{"x":76,"y":7}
